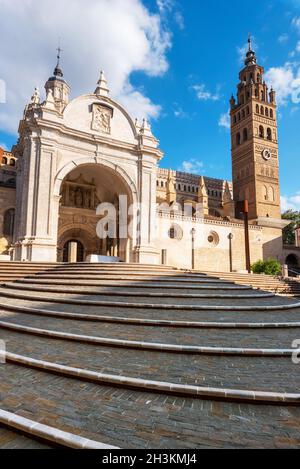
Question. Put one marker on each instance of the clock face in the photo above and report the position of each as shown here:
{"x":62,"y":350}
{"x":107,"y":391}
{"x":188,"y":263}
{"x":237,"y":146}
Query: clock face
{"x":266,"y":154}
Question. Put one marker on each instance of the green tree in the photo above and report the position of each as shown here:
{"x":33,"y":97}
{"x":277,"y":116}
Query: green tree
{"x":289,"y":231}
{"x":269,"y":267}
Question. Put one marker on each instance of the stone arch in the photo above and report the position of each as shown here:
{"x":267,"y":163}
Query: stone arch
{"x":69,"y":167}
{"x":292,"y":260}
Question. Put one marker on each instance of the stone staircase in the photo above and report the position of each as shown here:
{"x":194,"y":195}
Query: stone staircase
{"x":136,"y":356}
{"x":276,"y":284}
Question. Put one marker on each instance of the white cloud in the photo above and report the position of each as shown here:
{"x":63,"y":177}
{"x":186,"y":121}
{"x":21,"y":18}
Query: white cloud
{"x":179,"y":20}
{"x":290,"y":203}
{"x":192,"y":166}
{"x":283,"y":38}
{"x":296,"y":22}
{"x":286,"y":82}
{"x":205,"y":95}
{"x":165,"y":5}
{"x":224,"y":120}
{"x":120,"y":36}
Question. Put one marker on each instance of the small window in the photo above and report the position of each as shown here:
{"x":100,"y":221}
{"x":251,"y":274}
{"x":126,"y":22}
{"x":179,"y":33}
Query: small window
{"x":243,"y":113}
{"x":262,"y":94}
{"x":267,"y":112}
{"x":261,"y":132}
{"x":257,"y":109}
{"x":245,"y":135}
{"x":262,"y":110}
{"x":271,"y":113}
{"x":269,"y":134}
{"x":247,"y":111}
{"x":238,"y":138}
{"x":4,"y":160}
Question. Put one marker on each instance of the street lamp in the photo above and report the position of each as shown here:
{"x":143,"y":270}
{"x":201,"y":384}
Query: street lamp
{"x":193,"y":232}
{"x":230,"y":237}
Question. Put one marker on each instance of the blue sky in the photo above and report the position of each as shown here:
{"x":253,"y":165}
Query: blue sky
{"x":186,"y":83}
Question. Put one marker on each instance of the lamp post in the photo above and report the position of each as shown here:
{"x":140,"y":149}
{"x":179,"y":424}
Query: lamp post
{"x":230,"y":237}
{"x":193,"y":232}
{"x":243,"y":207}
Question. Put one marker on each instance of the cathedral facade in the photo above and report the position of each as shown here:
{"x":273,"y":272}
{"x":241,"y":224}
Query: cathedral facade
{"x":75,"y":159}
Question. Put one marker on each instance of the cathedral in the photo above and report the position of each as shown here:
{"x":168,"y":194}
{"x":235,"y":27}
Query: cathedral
{"x":76,"y":155}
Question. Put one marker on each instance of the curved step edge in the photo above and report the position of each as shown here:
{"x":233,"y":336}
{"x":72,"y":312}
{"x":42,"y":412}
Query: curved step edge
{"x":145,"y":305}
{"x":149,"y":322}
{"x":157,"y":386}
{"x":141,"y":345}
{"x":31,"y":427}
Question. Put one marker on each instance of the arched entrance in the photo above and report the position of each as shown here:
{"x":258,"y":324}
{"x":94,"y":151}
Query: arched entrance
{"x":292,"y":260}
{"x":82,"y":191}
{"x":73,"y":251}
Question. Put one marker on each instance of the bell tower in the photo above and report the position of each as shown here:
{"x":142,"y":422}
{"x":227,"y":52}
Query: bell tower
{"x":254,"y":142}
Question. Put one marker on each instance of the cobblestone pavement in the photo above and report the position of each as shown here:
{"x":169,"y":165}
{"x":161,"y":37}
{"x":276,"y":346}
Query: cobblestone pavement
{"x":13,"y":440}
{"x":157,"y":313}
{"x":222,"y":371}
{"x":247,"y":338}
{"x":132,"y":419}
{"x":137,"y":418}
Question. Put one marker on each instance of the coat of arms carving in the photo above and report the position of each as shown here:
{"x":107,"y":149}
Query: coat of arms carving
{"x":101,"y":118}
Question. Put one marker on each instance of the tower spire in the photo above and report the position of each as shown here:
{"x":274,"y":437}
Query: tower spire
{"x":249,"y":42}
{"x":58,"y":71}
{"x":250,"y":56}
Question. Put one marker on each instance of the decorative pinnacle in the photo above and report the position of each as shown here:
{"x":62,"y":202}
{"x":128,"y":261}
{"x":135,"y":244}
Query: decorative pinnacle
{"x":58,"y":71}
{"x":250,"y":41}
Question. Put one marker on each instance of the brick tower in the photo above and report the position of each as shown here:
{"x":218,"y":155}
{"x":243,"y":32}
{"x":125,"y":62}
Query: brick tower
{"x":254,"y":140}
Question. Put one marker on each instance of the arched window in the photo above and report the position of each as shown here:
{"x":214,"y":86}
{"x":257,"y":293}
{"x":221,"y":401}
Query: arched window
{"x":245,"y":135}
{"x":265,"y":193}
{"x":257,"y":109}
{"x":271,"y":113}
{"x":261,"y":132}
{"x":258,"y":77}
{"x":262,"y":94}
{"x":243,"y":113}
{"x":9,"y":222}
{"x":262,"y":110}
{"x":271,"y":194}
{"x":267,"y":112}
{"x":247,"y":111}
{"x":269,"y":134}
{"x":256,"y":93}
{"x":161,"y":183}
{"x":238,"y":138}
{"x":234,"y":120}
{"x":4,"y":160}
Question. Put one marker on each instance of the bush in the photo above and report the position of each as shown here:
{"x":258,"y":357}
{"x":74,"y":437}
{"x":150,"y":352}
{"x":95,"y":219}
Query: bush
{"x":269,"y":267}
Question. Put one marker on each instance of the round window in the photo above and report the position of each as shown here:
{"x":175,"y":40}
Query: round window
{"x":213,"y":238}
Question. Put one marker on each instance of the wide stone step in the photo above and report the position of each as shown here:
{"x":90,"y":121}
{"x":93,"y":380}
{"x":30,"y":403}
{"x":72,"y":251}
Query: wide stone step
{"x":259,"y":373}
{"x":139,"y":419}
{"x":29,"y":307}
{"x":212,"y":314}
{"x":237,"y":336}
{"x":151,"y":283}
{"x":93,"y":297}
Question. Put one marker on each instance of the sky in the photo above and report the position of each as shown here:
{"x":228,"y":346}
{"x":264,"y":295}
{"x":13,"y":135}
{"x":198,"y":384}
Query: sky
{"x":174,"y":62}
